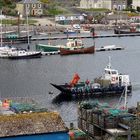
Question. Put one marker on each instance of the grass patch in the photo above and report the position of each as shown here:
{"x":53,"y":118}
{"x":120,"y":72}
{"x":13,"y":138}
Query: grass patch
{"x":15,"y":22}
{"x":96,"y":9}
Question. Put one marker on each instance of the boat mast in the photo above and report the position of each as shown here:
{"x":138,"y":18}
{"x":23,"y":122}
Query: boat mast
{"x":18,"y":24}
{"x":27,"y":24}
{"x":1,"y":29}
{"x":109,"y":63}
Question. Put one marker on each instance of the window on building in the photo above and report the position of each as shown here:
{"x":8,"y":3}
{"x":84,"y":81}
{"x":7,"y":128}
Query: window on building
{"x":40,"y":11}
{"x":27,"y":5}
{"x":33,"y":5}
{"x":39,"y":5}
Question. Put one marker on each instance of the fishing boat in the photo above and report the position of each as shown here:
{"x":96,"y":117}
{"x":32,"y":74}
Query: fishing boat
{"x":71,"y":31}
{"x":109,"y":48}
{"x":131,"y":30}
{"x":71,"y":43}
{"x":15,"y":38}
{"x":23,"y":54}
{"x":87,"y":50}
{"x":110,"y":83}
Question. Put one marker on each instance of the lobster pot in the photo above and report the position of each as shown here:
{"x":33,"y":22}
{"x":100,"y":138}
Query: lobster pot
{"x":79,"y":111}
{"x":97,"y":131}
{"x":78,"y":135}
{"x":89,"y":116}
{"x":101,"y":121}
{"x":79,"y":123}
{"x":84,"y":125}
{"x":93,"y":130}
{"x":84,"y":113}
{"x":126,"y":120}
{"x":95,"y":118}
{"x":90,"y":129}
{"x":110,"y":122}
{"x":103,"y":82}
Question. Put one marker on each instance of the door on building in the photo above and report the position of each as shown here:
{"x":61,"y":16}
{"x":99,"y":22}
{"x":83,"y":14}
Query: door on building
{"x":33,"y":12}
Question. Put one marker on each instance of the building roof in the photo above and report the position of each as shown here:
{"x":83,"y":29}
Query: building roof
{"x":31,"y":123}
{"x":29,"y":1}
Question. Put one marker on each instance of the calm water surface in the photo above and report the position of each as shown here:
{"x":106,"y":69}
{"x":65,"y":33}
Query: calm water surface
{"x":32,"y":78}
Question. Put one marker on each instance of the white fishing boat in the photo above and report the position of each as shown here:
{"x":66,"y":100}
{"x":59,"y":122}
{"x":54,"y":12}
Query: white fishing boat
{"x":23,"y":54}
{"x":109,"y":48}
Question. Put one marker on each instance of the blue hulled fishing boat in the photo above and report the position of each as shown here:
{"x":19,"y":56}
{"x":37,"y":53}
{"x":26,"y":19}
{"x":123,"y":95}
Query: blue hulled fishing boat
{"x":111,"y":83}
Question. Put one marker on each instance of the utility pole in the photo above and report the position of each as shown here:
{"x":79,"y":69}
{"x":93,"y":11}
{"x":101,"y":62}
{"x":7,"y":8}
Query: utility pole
{"x":1,"y":27}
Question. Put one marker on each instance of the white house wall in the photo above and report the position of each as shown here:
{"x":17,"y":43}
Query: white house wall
{"x":108,"y":4}
{"x":135,"y":4}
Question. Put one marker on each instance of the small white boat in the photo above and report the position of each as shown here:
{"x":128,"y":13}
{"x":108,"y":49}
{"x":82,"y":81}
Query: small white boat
{"x":109,"y":48}
{"x":24,"y":54}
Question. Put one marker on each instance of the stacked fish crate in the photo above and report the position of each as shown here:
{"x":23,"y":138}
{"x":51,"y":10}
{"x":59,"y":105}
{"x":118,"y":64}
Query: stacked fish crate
{"x":95,"y":118}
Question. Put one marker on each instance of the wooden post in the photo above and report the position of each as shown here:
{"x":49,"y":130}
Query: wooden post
{"x":18,"y":24}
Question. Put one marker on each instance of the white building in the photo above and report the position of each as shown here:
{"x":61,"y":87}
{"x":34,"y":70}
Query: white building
{"x":135,"y":4}
{"x":87,"y":4}
{"x":108,"y":4}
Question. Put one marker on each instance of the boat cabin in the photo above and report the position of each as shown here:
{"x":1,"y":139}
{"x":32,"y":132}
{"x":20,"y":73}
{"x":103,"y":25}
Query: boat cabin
{"x":74,"y":43}
{"x":115,"y":77}
{"x":112,"y":75}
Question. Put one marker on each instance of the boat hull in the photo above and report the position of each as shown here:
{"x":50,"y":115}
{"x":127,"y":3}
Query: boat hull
{"x":119,"y":31}
{"x":21,"y":39}
{"x":47,"y":48}
{"x":28,"y":56}
{"x":70,"y":93}
{"x":88,"y":50}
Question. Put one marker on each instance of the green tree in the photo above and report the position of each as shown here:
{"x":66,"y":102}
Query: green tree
{"x":138,"y":9}
{"x":129,"y":3}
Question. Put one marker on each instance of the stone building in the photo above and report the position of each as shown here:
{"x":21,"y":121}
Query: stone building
{"x":31,"y":7}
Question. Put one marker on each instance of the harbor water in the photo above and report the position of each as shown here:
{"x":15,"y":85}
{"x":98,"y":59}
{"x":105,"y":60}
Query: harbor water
{"x":32,"y":77}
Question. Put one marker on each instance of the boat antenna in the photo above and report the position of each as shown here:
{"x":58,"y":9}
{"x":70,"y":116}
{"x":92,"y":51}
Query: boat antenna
{"x":125,"y":97}
{"x":27,"y":23}
{"x":1,"y":28}
{"x":109,"y":62}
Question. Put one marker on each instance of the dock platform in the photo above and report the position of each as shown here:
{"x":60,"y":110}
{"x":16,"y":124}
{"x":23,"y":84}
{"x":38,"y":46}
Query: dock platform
{"x":82,"y":36}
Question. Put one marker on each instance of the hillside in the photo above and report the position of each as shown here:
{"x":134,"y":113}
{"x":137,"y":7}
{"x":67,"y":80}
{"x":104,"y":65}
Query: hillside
{"x":8,"y":7}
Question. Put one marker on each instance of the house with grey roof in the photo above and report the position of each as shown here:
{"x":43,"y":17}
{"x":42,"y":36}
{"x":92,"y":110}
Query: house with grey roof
{"x":30,"y":7}
{"x":37,"y":126}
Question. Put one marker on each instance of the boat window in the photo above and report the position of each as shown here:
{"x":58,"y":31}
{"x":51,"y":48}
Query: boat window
{"x":114,"y":72}
{"x":108,"y":72}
